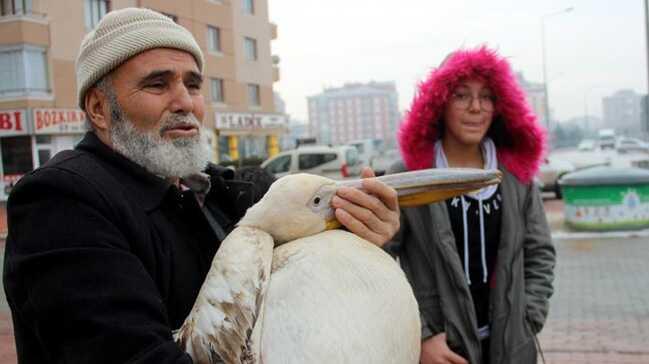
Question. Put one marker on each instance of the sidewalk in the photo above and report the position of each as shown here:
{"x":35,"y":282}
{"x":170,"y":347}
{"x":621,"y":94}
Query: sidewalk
{"x":600,"y":310}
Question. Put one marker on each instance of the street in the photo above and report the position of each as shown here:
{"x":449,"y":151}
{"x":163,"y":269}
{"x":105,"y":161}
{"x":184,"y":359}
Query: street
{"x":599,"y":312}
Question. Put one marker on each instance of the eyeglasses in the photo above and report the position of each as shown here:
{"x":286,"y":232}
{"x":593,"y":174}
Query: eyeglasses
{"x":464,"y":100}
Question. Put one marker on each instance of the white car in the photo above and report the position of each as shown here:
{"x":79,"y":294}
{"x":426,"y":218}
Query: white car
{"x":332,"y":162}
{"x":550,"y":171}
{"x":587,"y":145}
{"x":626,"y":145}
{"x":368,"y":150}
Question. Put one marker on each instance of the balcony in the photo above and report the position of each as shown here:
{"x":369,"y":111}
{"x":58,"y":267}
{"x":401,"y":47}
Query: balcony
{"x":20,"y":27}
{"x":273,"y":31}
{"x":276,"y":74}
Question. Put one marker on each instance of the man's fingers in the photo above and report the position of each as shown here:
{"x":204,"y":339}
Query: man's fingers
{"x":368,"y":201}
{"x":455,"y":359}
{"x":384,"y":192}
{"x":357,"y":227}
{"x":367,"y":172}
{"x":366,"y":216}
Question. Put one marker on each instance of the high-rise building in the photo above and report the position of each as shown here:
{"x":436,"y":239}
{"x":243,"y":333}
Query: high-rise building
{"x":355,"y":111}
{"x":623,"y":112}
{"x":39,"y":42}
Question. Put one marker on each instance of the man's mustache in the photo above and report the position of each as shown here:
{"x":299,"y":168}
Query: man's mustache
{"x":178,"y":120}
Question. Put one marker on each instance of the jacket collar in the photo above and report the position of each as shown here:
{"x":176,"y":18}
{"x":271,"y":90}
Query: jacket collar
{"x":148,"y":189}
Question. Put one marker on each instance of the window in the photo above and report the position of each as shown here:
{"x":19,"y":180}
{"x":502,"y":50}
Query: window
{"x":23,"y":71}
{"x":17,"y":155}
{"x":15,"y":7}
{"x":249,"y":6}
{"x":250,"y":47}
{"x":254,"y":99}
{"x":216,"y":88}
{"x":95,"y":10}
{"x":214,"y":39}
{"x":312,"y":160}
{"x":280,"y":165}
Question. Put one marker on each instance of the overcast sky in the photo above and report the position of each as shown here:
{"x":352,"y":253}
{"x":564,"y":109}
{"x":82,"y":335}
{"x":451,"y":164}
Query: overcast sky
{"x":593,"y":51}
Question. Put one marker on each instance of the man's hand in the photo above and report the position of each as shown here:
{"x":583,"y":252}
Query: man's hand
{"x":371,"y":213}
{"x":434,"y":350}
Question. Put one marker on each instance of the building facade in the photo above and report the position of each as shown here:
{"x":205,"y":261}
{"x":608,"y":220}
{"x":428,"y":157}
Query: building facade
{"x":355,"y":111}
{"x":39,"y":42}
{"x":535,"y":92}
{"x":623,"y":111}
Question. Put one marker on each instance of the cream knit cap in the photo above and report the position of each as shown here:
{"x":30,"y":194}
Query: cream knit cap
{"x":122,"y":34}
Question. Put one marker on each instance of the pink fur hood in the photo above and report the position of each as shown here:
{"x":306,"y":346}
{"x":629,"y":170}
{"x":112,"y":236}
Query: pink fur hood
{"x":520,"y":143}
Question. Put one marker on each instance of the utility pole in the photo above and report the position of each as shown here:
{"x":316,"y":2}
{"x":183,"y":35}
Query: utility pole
{"x":543,"y":61}
{"x":646,"y":98}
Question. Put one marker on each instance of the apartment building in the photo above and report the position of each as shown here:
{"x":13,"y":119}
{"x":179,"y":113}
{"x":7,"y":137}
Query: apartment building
{"x":39,"y":41}
{"x":355,"y":111}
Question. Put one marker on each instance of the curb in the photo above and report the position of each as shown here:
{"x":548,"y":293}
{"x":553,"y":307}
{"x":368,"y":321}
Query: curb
{"x":568,"y":235}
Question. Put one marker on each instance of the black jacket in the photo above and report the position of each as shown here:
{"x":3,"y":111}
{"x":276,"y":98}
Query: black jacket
{"x":103,"y":259}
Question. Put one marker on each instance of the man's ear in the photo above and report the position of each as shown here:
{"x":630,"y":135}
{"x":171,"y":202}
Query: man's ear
{"x":98,"y":109}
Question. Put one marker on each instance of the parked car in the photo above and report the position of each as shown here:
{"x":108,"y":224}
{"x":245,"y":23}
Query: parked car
{"x":385,"y":160}
{"x":606,"y":139}
{"x":625,"y":145}
{"x":587,"y":145}
{"x":368,"y":150}
{"x":332,"y":162}
{"x":549,"y":173}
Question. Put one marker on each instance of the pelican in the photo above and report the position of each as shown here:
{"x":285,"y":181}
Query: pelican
{"x":288,"y":286}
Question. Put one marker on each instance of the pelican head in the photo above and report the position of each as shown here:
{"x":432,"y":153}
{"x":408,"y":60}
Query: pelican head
{"x":299,"y":205}
{"x":295,"y":206}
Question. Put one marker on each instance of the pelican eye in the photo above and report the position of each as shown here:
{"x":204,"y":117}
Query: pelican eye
{"x":316,"y":200}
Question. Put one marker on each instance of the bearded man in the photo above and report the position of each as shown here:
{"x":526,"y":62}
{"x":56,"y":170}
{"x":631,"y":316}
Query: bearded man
{"x":109,"y":243}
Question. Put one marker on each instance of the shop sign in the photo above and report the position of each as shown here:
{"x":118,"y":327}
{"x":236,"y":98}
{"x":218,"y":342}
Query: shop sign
{"x":249,"y":121}
{"x":13,"y":122}
{"x":59,"y":121}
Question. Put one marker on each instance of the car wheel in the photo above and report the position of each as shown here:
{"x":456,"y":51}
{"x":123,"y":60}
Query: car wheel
{"x":557,"y":191}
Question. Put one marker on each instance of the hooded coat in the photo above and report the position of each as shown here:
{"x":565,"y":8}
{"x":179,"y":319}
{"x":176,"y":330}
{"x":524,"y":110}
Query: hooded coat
{"x":426,"y":246}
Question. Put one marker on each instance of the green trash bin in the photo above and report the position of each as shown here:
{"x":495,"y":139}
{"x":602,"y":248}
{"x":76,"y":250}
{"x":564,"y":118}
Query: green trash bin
{"x":606,"y":198}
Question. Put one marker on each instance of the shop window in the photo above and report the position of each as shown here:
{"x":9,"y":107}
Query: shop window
{"x":23,"y":71}
{"x":16,"y":155}
{"x":43,"y":139}
{"x":43,"y":156}
{"x":94,"y":11}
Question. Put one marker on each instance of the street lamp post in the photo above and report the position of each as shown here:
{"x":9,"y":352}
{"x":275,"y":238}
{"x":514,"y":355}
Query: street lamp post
{"x":646,"y":99}
{"x":545,"y":68}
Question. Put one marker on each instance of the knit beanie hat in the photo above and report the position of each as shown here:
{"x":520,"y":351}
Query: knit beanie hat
{"x":122,"y":34}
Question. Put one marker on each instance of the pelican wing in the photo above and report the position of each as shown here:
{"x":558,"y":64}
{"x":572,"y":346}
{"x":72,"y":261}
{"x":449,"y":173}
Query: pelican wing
{"x":230,"y":302}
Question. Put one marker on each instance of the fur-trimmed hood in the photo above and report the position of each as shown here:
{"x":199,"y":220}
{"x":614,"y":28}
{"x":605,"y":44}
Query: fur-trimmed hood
{"x":520,"y":140}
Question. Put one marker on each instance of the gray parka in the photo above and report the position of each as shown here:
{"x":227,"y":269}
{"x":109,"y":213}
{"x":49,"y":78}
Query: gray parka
{"x":426,"y":250}
{"x":425,"y":244}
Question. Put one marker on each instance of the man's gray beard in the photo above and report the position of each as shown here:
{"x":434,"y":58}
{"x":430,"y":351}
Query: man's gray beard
{"x":178,"y":157}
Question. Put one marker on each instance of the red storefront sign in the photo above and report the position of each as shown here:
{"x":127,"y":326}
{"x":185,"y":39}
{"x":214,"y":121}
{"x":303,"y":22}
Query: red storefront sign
{"x":59,"y":121}
{"x":13,"y":122}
